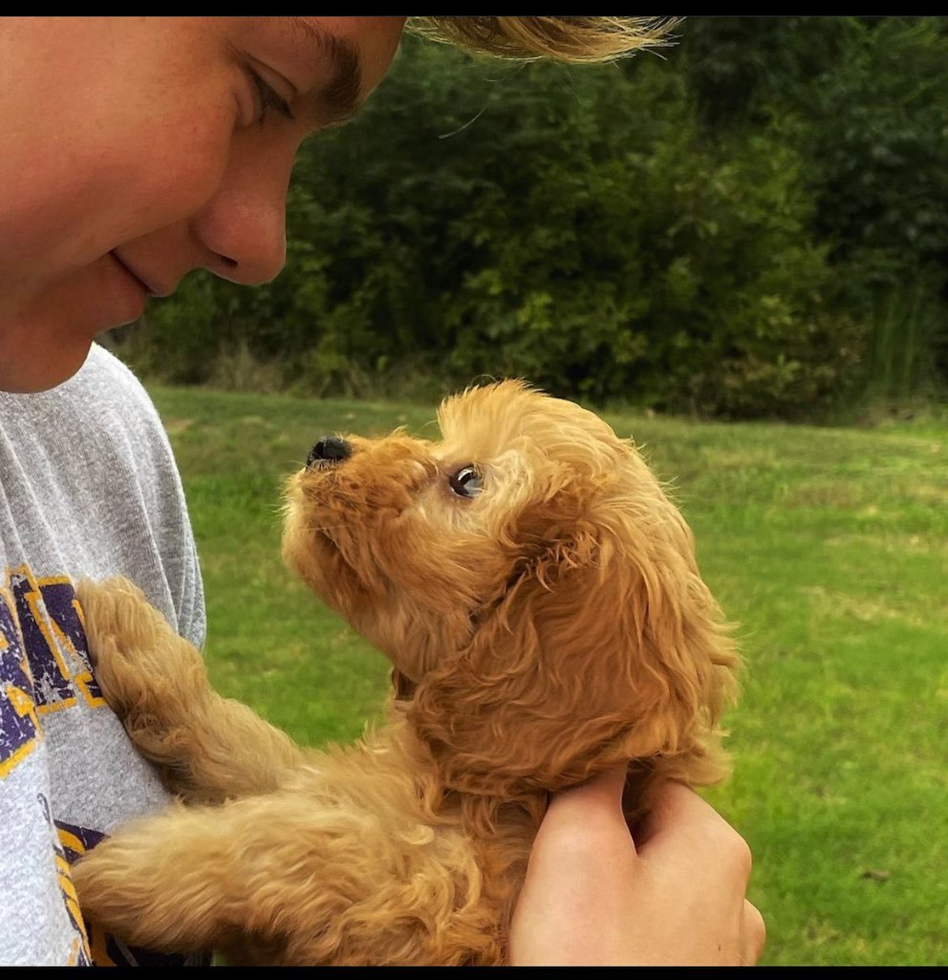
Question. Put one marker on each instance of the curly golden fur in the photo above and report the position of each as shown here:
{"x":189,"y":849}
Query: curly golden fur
{"x":540,"y":631}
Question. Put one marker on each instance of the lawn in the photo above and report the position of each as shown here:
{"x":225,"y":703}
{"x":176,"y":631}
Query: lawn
{"x":829,"y":547}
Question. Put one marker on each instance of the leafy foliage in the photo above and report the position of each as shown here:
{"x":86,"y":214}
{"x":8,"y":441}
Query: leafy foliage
{"x":723,"y":232}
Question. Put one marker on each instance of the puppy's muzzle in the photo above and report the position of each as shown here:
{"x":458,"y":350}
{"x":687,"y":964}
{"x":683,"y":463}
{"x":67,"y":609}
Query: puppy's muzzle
{"x":329,"y":449}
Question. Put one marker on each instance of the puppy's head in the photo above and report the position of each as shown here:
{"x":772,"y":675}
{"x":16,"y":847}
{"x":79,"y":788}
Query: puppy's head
{"x":532,"y":584}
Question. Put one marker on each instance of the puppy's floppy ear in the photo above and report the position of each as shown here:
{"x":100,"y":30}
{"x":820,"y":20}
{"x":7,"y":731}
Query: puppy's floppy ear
{"x":606,"y":647}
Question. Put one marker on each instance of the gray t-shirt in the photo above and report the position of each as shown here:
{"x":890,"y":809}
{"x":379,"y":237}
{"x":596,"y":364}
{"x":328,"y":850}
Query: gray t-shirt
{"x":88,"y":487}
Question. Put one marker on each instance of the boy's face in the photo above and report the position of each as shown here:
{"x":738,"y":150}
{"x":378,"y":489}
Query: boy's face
{"x":136,"y":149}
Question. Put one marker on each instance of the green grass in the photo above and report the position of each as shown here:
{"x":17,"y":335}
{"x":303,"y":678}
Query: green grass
{"x":828,"y":546}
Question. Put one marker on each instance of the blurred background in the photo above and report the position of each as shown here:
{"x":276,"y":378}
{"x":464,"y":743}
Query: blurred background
{"x":753,"y":223}
{"x":736,"y":251}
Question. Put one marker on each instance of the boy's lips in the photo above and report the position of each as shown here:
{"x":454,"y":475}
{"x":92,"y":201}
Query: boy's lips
{"x":153,"y":289}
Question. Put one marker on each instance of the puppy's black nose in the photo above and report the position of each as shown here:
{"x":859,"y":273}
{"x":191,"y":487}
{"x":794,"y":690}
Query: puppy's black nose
{"x":330,"y":449}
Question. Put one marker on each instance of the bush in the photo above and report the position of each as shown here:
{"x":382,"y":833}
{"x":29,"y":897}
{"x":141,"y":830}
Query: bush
{"x":606,"y":231}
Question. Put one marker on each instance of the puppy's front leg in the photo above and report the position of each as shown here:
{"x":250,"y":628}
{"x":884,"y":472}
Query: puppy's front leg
{"x":271,"y":877}
{"x":208,"y":748}
{"x":181,"y":881}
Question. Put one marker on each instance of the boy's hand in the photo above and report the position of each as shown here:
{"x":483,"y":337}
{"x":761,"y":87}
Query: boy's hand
{"x":676,"y":896}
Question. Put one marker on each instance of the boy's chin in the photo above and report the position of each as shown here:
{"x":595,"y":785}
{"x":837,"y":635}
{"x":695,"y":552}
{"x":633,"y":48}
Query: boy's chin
{"x":38,"y":368}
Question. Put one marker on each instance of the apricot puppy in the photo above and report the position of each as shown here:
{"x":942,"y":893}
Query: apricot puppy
{"x":537,"y":594}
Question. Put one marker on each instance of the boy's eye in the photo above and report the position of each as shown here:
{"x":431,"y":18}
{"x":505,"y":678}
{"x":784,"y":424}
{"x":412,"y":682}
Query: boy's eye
{"x":268,"y":99}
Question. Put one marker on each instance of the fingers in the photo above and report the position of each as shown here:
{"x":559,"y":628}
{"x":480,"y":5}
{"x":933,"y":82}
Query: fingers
{"x":681,"y":829}
{"x":680,"y":817}
{"x":600,"y":790}
{"x":578,"y":816}
{"x":684,"y":831}
{"x":679,"y":897}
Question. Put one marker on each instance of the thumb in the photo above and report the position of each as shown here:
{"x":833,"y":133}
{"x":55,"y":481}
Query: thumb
{"x":602,"y":790}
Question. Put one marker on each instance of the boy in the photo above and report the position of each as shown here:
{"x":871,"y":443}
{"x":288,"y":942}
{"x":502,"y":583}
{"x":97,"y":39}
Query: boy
{"x":137,"y":149}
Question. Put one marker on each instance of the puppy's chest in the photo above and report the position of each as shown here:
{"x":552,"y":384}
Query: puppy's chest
{"x":423,"y":885}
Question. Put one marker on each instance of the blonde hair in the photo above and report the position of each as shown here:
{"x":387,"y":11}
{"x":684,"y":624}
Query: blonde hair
{"x":570,"y":39}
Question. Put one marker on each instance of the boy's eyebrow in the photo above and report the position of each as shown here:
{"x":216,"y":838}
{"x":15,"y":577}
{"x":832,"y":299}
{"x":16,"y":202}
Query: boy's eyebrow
{"x":340,"y":96}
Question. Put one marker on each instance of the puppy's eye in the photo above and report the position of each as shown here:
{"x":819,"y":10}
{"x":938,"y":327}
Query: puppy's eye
{"x":466,"y":482}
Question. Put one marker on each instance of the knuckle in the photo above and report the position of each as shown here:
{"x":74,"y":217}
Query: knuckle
{"x":733,"y":851}
{"x":755,"y":930}
{"x":741,"y":855}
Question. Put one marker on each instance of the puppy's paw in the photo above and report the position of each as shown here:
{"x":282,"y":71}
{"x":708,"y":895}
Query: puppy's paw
{"x":141,"y":665}
{"x":115,"y":609}
{"x":118,"y":883}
